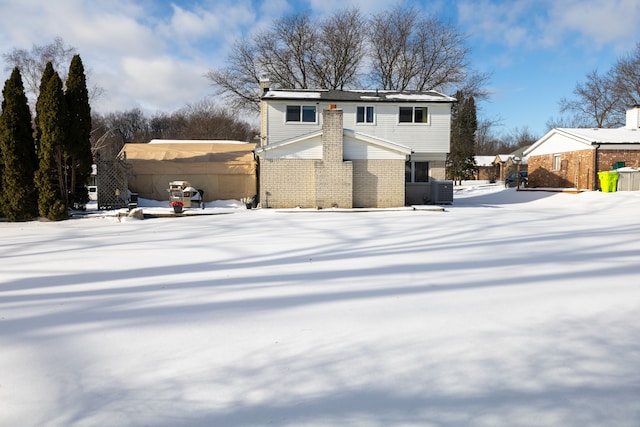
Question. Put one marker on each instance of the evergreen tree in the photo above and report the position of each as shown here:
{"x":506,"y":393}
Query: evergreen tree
{"x":464,"y":124}
{"x":52,"y":122}
{"x":79,"y":134}
{"x":17,"y":153}
{"x":46,"y":76}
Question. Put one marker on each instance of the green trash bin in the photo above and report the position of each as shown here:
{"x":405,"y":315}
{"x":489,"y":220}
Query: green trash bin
{"x":608,"y":181}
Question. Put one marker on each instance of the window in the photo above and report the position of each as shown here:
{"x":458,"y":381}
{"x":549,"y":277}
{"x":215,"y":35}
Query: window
{"x":301,"y":113}
{"x":556,"y":162}
{"x":364,"y":114}
{"x":413,"y":115}
{"x":416,"y":171}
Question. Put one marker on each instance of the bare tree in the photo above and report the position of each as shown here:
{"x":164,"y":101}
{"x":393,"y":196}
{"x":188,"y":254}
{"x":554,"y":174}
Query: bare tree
{"x":443,"y":56}
{"x":282,"y":53}
{"x":566,"y":121}
{"x":111,"y":131}
{"x":206,"y":120}
{"x":31,"y":64}
{"x":296,"y":53}
{"x":486,"y":141}
{"x":237,"y":81}
{"x":414,"y":52}
{"x":340,"y":50}
{"x":603,"y":98}
{"x":394,"y":52}
{"x":521,"y":137}
{"x":595,"y":102}
{"x":627,"y":79}
{"x":286,"y":50}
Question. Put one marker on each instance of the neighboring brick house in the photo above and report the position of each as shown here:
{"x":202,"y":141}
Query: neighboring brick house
{"x":572,"y":157}
{"x":487,"y":170}
{"x":329,"y":148}
{"x":502,"y":163}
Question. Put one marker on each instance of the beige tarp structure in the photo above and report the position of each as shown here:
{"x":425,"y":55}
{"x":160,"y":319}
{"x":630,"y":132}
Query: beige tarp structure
{"x":224,"y":170}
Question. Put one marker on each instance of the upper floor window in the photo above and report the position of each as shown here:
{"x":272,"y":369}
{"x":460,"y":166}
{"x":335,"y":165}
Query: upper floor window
{"x":364,"y":114}
{"x":413,"y":115}
{"x":301,"y":113}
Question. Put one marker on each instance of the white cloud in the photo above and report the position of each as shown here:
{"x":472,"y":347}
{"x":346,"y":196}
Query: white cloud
{"x":140,"y":60}
{"x":496,"y":22}
{"x":161,"y":84}
{"x":191,"y":24}
{"x":597,"y":22}
{"x":550,"y":24}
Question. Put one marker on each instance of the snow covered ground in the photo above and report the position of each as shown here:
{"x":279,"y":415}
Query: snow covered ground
{"x":507,"y":309}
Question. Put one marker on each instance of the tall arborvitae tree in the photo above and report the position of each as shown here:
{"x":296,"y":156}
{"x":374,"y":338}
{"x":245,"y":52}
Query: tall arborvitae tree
{"x":46,"y":76}
{"x":464,"y":124}
{"x":17,"y":153}
{"x":79,"y":134}
{"x":52,"y":123}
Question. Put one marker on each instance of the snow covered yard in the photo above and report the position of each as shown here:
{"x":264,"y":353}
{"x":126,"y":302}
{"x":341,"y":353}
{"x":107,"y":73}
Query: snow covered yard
{"x":508,"y":309}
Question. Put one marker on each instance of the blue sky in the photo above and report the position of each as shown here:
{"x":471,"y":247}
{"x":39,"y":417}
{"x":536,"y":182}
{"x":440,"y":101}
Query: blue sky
{"x":154,"y":54}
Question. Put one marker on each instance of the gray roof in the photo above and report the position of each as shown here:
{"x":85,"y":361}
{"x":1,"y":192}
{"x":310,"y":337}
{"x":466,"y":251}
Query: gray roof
{"x":358,"y":95}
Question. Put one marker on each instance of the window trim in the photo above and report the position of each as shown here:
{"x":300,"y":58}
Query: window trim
{"x":556,"y":164}
{"x":365,"y":109}
{"x":301,"y":114}
{"x":413,"y":115}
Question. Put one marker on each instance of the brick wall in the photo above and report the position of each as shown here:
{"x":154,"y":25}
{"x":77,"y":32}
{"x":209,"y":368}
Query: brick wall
{"x":333,"y":176}
{"x":333,"y":184}
{"x":576,"y":168}
{"x":378,"y":183}
{"x":286,"y":183}
{"x":607,"y":158}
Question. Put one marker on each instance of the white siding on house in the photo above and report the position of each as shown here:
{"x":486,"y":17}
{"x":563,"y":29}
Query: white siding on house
{"x":359,"y":150}
{"x":277,"y":128}
{"x":310,"y":149}
{"x":558,"y":143}
{"x":432,"y":137}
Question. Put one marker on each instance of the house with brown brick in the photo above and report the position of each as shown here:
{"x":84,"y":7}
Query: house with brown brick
{"x":487,"y":169}
{"x":572,"y":157}
{"x":349,"y":149}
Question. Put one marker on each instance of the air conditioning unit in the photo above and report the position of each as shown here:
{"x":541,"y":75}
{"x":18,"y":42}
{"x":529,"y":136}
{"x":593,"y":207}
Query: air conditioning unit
{"x":442,"y":192}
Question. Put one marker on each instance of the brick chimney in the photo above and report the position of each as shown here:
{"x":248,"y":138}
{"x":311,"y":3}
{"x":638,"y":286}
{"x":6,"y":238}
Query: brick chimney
{"x":265,"y":84}
{"x":633,"y":117}
{"x":332,"y":134}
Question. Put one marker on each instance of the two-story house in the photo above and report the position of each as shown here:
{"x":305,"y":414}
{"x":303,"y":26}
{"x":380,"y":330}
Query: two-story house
{"x":329,"y":148}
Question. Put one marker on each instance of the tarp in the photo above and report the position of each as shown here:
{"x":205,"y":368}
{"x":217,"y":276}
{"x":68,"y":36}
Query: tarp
{"x":224,"y":170}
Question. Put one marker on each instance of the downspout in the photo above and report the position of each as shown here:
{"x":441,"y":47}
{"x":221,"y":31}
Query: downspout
{"x":595,"y":168}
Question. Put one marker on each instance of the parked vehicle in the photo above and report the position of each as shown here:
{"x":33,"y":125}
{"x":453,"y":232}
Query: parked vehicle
{"x":512,"y":179}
